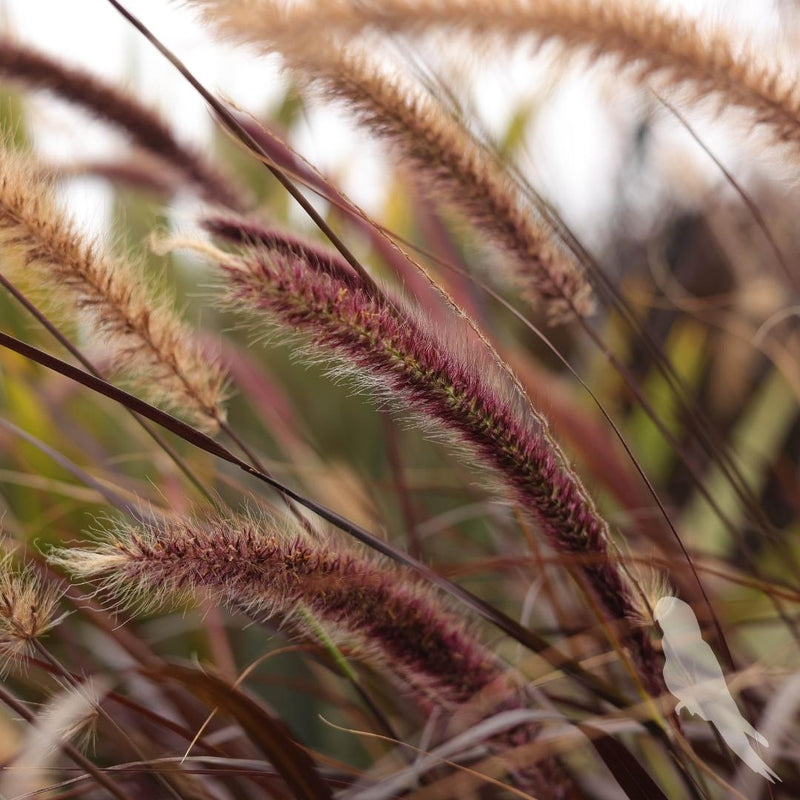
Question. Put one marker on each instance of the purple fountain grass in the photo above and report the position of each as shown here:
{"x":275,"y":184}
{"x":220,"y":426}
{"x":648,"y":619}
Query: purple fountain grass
{"x":649,"y":41}
{"x":149,"y":344}
{"x":445,"y":159}
{"x":391,"y":349}
{"x":119,"y":109}
{"x":270,"y":569}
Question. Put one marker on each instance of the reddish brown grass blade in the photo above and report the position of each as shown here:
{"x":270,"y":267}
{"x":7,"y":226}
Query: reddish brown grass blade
{"x":630,"y":774}
{"x":272,"y":737}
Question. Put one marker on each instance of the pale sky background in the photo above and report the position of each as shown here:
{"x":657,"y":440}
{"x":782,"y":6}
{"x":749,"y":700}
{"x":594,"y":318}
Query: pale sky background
{"x":576,"y":151}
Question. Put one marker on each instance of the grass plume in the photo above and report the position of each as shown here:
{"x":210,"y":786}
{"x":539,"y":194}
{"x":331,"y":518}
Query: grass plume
{"x":273,"y":570}
{"x":247,"y":231}
{"x":446,"y":161}
{"x":28,"y":609}
{"x":269,"y":570}
{"x":112,"y":105}
{"x":395,"y":353}
{"x":646,"y":39}
{"x":149,"y":345}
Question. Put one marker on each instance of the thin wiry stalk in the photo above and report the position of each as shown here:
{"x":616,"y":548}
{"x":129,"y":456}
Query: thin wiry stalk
{"x":148,"y":343}
{"x":446,"y":160}
{"x":272,"y":570}
{"x":119,"y":109}
{"x":642,"y":36}
{"x":403,"y":359}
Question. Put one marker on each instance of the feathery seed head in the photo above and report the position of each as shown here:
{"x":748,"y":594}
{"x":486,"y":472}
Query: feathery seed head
{"x":71,"y":715}
{"x":68,"y":716}
{"x":272,"y":569}
{"x":650,"y":41}
{"x":654,"y":585}
{"x":403,"y":359}
{"x":248,"y":231}
{"x":112,"y":105}
{"x":28,"y":609}
{"x":149,"y":345}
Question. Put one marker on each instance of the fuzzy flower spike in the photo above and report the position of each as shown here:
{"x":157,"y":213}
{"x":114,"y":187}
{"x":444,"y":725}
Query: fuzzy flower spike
{"x":119,"y":109}
{"x":28,"y":609}
{"x":701,"y":59}
{"x":388,"y":348}
{"x":149,"y":346}
{"x":272,"y":570}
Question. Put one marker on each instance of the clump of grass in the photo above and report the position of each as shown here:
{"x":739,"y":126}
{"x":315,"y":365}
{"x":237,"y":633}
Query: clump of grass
{"x":332,"y":632}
